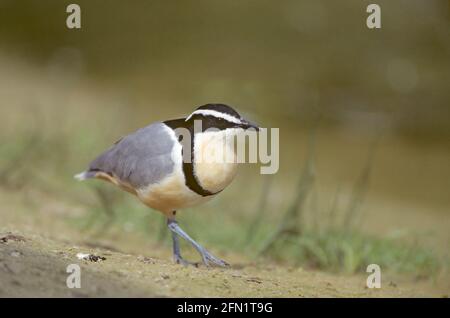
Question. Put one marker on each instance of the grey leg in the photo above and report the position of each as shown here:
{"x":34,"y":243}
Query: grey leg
{"x":176,"y":252}
{"x":207,"y":257}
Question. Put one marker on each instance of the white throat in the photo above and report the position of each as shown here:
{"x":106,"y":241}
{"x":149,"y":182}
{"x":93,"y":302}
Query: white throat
{"x":215,"y":158}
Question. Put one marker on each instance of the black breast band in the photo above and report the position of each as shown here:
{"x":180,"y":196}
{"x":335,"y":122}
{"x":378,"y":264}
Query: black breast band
{"x":188,"y":167}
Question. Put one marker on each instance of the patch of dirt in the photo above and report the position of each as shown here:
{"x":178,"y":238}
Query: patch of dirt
{"x":11,"y":237}
{"x":38,"y":267}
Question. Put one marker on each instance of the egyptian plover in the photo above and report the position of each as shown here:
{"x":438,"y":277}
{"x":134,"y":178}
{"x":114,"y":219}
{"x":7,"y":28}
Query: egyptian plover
{"x":166,"y":165}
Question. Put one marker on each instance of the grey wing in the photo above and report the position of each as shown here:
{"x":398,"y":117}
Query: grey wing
{"x":139,"y":159}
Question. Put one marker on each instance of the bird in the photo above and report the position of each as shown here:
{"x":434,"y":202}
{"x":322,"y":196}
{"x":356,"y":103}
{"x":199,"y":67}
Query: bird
{"x":165,"y":165}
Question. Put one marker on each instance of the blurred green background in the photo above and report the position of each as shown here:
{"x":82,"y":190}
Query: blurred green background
{"x":364,"y":120}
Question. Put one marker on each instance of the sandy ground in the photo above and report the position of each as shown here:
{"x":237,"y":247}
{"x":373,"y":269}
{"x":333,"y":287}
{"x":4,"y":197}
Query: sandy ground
{"x":36,"y":246}
{"x":32,"y":266}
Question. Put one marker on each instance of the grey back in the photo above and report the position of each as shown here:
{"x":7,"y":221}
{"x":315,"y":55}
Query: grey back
{"x":141,"y":158}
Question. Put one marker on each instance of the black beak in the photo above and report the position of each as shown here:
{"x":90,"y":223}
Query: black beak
{"x":245,"y":124}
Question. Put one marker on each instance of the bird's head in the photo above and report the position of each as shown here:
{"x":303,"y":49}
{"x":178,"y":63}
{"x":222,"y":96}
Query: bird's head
{"x":221,"y":117}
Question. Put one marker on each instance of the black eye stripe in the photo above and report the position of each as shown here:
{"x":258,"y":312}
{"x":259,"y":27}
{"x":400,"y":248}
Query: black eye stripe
{"x":210,"y":121}
{"x":221,"y":108}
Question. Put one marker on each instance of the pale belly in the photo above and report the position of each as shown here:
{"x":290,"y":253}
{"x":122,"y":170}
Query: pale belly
{"x":170,"y":195}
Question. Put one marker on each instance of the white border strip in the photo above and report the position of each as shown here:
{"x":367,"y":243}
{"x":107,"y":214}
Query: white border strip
{"x":208,"y":112}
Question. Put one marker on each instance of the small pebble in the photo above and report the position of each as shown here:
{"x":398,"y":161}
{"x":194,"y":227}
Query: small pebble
{"x":90,"y":257}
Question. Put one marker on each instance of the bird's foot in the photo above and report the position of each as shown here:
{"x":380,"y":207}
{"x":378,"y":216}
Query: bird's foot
{"x":209,"y":259}
{"x":179,"y":260}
